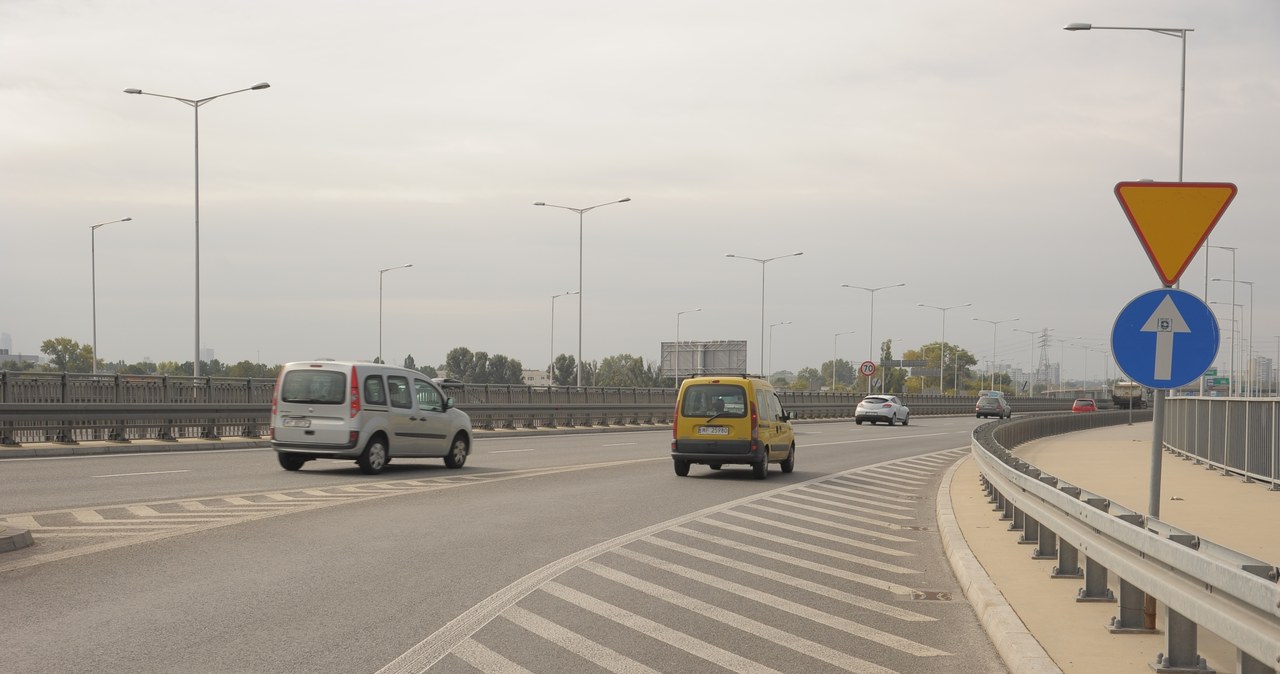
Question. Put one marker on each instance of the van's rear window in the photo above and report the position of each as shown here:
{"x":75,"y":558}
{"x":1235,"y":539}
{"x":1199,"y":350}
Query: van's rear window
{"x":316,"y":387}
{"x":720,"y":400}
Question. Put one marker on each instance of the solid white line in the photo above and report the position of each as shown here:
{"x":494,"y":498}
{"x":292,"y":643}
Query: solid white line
{"x":575,"y":643}
{"x":621,"y":444}
{"x":176,"y":452}
{"x":485,"y":660}
{"x":885,"y":439}
{"x":508,"y":451}
{"x":891,"y":568}
{"x":823,"y":535}
{"x":156,"y":472}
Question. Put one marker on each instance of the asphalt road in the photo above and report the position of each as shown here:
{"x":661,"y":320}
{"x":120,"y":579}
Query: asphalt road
{"x":579,"y":553}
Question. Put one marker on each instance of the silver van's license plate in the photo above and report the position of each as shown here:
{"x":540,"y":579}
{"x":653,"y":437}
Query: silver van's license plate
{"x":713,"y":430}
{"x":297,"y":423}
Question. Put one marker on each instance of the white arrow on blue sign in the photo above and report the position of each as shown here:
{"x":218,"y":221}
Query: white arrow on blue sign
{"x":1165,"y":338}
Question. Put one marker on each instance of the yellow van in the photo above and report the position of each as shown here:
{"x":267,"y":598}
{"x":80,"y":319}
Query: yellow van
{"x":731,"y":419}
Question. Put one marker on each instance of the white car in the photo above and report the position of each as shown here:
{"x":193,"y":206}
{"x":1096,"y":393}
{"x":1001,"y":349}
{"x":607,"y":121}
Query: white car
{"x":879,"y":408}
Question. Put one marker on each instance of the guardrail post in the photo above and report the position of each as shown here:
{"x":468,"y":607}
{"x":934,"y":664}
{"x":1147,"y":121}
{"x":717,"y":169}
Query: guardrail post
{"x":1180,"y":646}
{"x":1132,"y":618}
{"x":1030,"y":531}
{"x":1019,"y":520}
{"x":1095,"y":584}
{"x":1068,"y":562}
{"x":1247,"y":664}
{"x":1047,"y":547}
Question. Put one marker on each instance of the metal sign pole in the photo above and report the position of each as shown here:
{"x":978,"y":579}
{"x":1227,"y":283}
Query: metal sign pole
{"x":1157,"y":453}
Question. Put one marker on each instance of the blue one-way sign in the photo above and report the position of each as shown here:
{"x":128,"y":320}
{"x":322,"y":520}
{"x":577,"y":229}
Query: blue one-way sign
{"x":1165,"y":338}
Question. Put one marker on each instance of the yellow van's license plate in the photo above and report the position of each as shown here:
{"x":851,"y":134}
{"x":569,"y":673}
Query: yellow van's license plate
{"x":297,"y":423}
{"x":713,"y":430}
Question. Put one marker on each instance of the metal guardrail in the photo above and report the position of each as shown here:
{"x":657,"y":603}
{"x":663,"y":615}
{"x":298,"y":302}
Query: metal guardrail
{"x":1240,"y":436}
{"x":70,"y":408}
{"x":1200,"y":584}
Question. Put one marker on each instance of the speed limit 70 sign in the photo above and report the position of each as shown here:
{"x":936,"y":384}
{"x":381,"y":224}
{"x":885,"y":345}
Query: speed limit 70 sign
{"x":867,"y":368}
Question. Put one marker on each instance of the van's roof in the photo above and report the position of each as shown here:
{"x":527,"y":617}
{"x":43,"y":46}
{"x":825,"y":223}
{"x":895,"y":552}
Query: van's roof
{"x":709,"y":378}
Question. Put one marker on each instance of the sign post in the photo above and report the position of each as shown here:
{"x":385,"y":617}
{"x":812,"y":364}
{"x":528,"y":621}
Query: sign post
{"x":1167,"y":337}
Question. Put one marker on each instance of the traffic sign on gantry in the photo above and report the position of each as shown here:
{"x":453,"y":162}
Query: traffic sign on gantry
{"x":1172,"y":220}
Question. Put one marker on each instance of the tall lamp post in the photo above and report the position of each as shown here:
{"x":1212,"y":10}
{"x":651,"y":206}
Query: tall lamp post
{"x":580,"y":212}
{"x":771,"y":327}
{"x":551,"y":369}
{"x":195,"y":106}
{"x":994,"y":326}
{"x":763,"y":262}
{"x":1234,"y":388}
{"x":943,"y":356}
{"x":871,"y":344}
{"x":93,"y":281}
{"x":380,"y":273}
{"x":677,"y":367}
{"x":1030,"y":385}
{"x":1249,"y":344}
{"x":834,"y":353}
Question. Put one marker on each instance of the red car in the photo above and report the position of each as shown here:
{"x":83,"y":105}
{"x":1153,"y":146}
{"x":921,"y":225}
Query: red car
{"x":1084,"y":405}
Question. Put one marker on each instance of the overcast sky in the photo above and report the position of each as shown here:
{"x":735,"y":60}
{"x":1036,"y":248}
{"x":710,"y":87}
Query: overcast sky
{"x":968,"y":150}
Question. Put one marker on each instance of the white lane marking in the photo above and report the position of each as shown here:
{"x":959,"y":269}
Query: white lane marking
{"x":620,"y":444}
{"x":508,"y":451}
{"x":855,"y":559}
{"x":686,"y":643}
{"x":823,"y":535}
{"x":846,"y":506}
{"x":475,"y":654}
{"x":748,"y":625}
{"x":575,"y":643}
{"x":154,"y":472}
{"x":816,"y":588}
{"x":113,"y":455}
{"x":774,"y":601}
{"x":826,"y":522}
{"x":884,"y":439}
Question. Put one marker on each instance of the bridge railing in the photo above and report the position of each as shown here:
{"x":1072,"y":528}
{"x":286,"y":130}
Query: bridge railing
{"x":1234,"y":435}
{"x":1197,"y":583}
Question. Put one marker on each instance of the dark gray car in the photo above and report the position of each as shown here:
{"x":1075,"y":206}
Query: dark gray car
{"x":992,"y":406}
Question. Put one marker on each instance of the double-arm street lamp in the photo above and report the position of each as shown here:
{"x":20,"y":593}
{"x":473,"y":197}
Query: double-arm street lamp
{"x":677,"y":366}
{"x":580,"y":212}
{"x":763,"y":262}
{"x":380,"y":273}
{"x":551,"y":369}
{"x":942,"y":356}
{"x":771,"y":327}
{"x":834,"y":353}
{"x":871,"y":329}
{"x":93,"y":281}
{"x":195,"y":105}
{"x":1031,"y":386}
{"x":994,"y":326}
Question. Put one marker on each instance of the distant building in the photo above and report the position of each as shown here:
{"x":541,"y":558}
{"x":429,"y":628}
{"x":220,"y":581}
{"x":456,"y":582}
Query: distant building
{"x":5,"y":356}
{"x":535,"y":377}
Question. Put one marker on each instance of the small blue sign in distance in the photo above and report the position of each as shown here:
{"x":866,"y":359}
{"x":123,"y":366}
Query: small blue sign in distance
{"x":1165,"y":338}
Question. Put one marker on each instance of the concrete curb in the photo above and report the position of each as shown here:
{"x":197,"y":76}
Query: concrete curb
{"x":13,"y":539}
{"x":1019,"y":649}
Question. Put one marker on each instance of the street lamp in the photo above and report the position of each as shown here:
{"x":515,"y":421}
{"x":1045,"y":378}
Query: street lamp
{"x":1234,"y":389}
{"x":1232,"y":250}
{"x":677,"y":367}
{"x":872,"y":327}
{"x":763,"y":262}
{"x":771,"y":327}
{"x":955,"y":385}
{"x":551,"y":369}
{"x":195,"y":106}
{"x":1030,"y":385}
{"x":380,"y":273}
{"x":93,"y":281}
{"x":834,"y":353}
{"x":1250,"y":284}
{"x":580,"y":211}
{"x":994,"y":325}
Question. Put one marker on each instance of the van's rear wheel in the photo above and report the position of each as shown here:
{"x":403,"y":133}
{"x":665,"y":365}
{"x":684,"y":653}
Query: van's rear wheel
{"x":291,"y":461}
{"x":760,"y":469}
{"x":374,"y":457}
{"x":681,"y":466}
{"x":789,"y":463}
{"x":458,"y":452}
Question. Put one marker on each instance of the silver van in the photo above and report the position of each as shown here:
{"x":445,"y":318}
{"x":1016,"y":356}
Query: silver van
{"x":364,"y":412}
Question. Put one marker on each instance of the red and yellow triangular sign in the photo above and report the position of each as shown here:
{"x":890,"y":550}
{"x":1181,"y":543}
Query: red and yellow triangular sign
{"x":1172,"y":220}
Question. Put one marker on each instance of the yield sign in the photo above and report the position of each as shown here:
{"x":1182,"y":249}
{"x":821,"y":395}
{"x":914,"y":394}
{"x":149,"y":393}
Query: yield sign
{"x":1172,"y":220}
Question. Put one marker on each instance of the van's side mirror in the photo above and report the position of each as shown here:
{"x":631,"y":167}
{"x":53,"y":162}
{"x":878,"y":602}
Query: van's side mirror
{"x":448,"y":402}
{"x":786,"y":416}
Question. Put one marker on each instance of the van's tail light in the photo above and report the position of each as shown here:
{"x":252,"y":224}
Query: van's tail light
{"x":755,"y":426}
{"x":275,"y":395}
{"x":355,"y":392}
{"x":675,"y":421}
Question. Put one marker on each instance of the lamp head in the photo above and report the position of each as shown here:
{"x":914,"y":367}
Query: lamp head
{"x":126,"y":219}
{"x":540,"y":203}
{"x":260,"y":85}
{"x":624,"y":200}
{"x":133,"y":91}
{"x":1078,"y":26}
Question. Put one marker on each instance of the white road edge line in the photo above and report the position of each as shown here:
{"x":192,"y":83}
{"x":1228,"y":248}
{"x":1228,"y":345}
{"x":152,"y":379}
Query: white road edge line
{"x":154,"y":472}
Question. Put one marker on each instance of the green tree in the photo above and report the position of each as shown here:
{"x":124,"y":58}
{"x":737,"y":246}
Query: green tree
{"x":894,"y":377}
{"x":459,"y":363}
{"x":628,"y":371}
{"x":68,"y":355}
{"x":844,"y":373}
{"x":564,"y":371}
{"x":505,"y":370}
{"x":808,"y":379}
{"x":408,"y":363}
